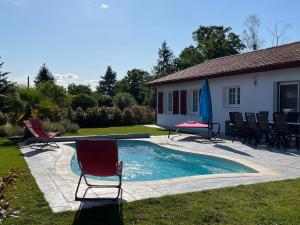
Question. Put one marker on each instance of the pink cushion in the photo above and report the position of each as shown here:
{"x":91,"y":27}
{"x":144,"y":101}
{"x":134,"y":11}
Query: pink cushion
{"x":192,"y":124}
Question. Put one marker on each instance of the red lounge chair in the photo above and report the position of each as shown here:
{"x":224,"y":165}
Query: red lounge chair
{"x":199,"y":125}
{"x":98,"y":158}
{"x":35,"y":127}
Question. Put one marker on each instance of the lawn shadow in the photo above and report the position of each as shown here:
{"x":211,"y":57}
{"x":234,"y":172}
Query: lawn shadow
{"x":108,"y":214}
{"x":229,"y":149}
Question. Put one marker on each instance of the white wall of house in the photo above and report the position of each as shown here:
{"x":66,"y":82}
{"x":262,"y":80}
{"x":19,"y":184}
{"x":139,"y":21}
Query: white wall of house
{"x":258,"y":92}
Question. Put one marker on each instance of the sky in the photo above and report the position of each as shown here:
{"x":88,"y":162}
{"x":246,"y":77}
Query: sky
{"x":78,"y":39}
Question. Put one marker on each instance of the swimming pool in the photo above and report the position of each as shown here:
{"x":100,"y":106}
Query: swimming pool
{"x":145,"y":161}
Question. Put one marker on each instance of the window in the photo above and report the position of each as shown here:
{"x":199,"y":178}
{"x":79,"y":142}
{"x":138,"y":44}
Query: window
{"x":195,"y":101}
{"x":170,"y":102}
{"x":289,"y":97}
{"x":233,"y":97}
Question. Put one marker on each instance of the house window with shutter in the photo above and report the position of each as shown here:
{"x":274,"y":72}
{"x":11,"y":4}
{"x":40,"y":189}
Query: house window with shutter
{"x":170,"y":102}
{"x":175,"y":102}
{"x":183,"y":105}
{"x":160,"y":102}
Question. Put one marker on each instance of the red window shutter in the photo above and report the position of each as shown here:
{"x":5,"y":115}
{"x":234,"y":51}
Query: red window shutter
{"x":183,"y":102}
{"x":175,"y":102}
{"x":160,"y":102}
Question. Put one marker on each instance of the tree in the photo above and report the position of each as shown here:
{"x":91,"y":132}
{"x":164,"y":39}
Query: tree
{"x":189,"y":56}
{"x":124,"y":100}
{"x":107,"y":82}
{"x":279,"y":33}
{"x":105,"y":100}
{"x":217,"y":41}
{"x":83,"y":101}
{"x":75,"y":89}
{"x":5,"y":87}
{"x":43,"y":75}
{"x":165,"y":62}
{"x":251,"y":32}
{"x":134,"y":84}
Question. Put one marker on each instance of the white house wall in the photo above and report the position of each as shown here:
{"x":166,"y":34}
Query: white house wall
{"x":258,"y":92}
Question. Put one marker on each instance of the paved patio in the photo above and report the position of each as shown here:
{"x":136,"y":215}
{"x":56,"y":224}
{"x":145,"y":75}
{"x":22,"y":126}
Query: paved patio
{"x":51,"y":169}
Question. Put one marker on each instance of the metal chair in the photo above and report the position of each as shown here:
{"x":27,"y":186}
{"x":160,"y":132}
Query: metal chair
{"x":239,"y":127}
{"x":253,"y":132}
{"x":264,"y":126}
{"x":282,"y":131}
{"x":98,"y":158}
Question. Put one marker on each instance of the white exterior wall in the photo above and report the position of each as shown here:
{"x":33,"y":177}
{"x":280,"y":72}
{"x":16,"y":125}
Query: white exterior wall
{"x":254,"y":98}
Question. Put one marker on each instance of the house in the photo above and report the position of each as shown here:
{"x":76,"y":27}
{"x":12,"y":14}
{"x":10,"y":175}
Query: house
{"x":262,"y":80}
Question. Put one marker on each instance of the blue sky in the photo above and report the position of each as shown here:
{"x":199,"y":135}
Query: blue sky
{"x":77,"y":39}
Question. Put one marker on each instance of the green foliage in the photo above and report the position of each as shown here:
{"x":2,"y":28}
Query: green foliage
{"x":134,"y":84}
{"x":9,"y":130}
{"x":115,"y":116}
{"x":189,"y":56}
{"x":105,"y":100}
{"x":3,"y":118}
{"x":53,"y":93}
{"x":43,"y":75}
{"x":75,"y":89}
{"x":107,"y":82}
{"x":62,"y":126}
{"x":6,"y":87}
{"x":124,"y":100}
{"x":165,"y":62}
{"x":217,"y":41}
{"x":79,"y":117}
{"x":128,"y":117}
{"x":84,"y":101}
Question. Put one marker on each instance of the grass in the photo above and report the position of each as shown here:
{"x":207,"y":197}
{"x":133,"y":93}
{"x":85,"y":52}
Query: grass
{"x":119,"y":130}
{"x":265,"y":203}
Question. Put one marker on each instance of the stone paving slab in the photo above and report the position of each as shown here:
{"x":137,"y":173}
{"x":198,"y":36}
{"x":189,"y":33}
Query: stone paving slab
{"x":52,"y":171}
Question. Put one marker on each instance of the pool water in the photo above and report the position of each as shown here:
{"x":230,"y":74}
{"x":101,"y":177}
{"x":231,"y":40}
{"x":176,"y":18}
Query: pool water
{"x":145,"y":161}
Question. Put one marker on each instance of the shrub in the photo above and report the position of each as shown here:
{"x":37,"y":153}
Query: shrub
{"x":127,"y":117}
{"x":79,"y":117}
{"x":138,"y":114}
{"x":105,"y":100}
{"x":8,"y":130}
{"x":61,"y":126}
{"x":92,"y":117}
{"x":124,"y":100}
{"x":103,"y":117}
{"x":84,"y":101}
{"x":115,"y":116}
{"x":3,"y":118}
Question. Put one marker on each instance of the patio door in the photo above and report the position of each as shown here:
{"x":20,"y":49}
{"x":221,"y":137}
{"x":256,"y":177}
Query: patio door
{"x":289,"y":99}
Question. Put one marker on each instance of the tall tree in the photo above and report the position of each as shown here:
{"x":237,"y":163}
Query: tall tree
{"x":165,"y":62}
{"x":217,"y":41}
{"x":134,"y":84}
{"x":251,"y":33}
{"x":189,"y":56}
{"x":5,"y":87}
{"x":43,"y":75}
{"x":107,"y":83}
{"x":279,"y":33}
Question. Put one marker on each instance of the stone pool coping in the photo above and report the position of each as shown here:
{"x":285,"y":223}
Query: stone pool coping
{"x":52,"y":171}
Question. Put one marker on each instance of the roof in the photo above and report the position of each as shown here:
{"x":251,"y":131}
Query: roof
{"x":274,"y":58}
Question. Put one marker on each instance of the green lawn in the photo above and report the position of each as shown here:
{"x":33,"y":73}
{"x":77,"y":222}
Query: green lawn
{"x":266,"y":203}
{"x":120,"y":130}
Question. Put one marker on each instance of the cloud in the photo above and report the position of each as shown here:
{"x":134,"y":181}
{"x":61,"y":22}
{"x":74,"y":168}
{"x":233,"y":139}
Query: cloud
{"x":90,"y":82}
{"x":65,"y":76}
{"x":104,"y":6}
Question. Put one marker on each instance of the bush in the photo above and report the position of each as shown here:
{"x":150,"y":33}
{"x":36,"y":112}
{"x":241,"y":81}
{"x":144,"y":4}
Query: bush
{"x":124,"y":100}
{"x":92,"y":117}
{"x":9,"y":130}
{"x":105,"y":100}
{"x":3,"y":118}
{"x":103,"y":117}
{"x":61,"y":126}
{"x":115,"y":116}
{"x":79,"y":117}
{"x":84,"y":101}
{"x":127,"y":117}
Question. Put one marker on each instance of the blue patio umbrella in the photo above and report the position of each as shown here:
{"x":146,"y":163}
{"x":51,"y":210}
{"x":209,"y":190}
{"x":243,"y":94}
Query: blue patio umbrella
{"x":205,"y":110}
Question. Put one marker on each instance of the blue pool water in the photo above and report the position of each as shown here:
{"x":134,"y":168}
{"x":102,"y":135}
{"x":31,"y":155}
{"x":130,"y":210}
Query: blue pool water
{"x":145,"y":161}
